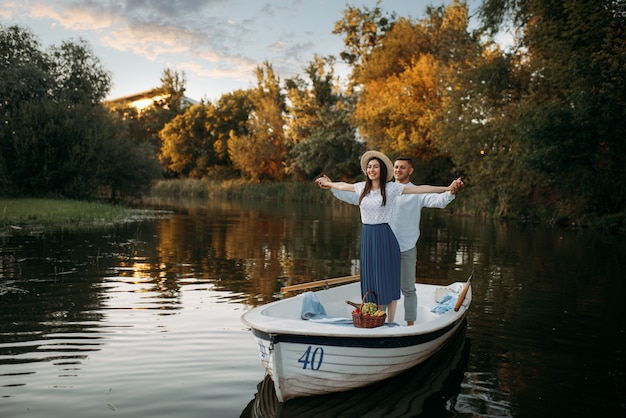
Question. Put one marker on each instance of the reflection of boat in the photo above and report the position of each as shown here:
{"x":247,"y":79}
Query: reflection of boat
{"x":423,"y":390}
{"x":328,"y":354}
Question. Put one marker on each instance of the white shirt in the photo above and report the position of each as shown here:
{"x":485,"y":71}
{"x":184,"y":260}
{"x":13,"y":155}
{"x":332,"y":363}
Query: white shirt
{"x":405,"y":221}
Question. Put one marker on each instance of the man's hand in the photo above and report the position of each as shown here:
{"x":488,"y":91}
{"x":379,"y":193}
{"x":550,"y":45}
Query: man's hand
{"x":456,"y":185}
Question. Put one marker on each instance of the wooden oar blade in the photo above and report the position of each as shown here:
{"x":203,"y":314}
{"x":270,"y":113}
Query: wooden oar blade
{"x":459,"y":302}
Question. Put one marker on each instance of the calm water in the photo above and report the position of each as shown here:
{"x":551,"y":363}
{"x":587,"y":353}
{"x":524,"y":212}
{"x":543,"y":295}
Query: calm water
{"x":144,"y":319}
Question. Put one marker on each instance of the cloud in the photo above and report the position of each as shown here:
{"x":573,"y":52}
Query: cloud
{"x":8,"y":10}
{"x":224,"y":29}
{"x":210,"y":39}
{"x":74,"y":16}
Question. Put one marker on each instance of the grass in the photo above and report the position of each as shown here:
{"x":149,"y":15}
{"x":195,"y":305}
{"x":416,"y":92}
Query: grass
{"x":33,"y":214}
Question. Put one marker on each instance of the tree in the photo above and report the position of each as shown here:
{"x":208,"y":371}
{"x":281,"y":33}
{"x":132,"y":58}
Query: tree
{"x":229,"y":117}
{"x":475,"y":130}
{"x":186,"y":149}
{"x":77,"y":74}
{"x":24,"y":77}
{"x":362,"y":30}
{"x":260,"y":154}
{"x":24,"y":70}
{"x":57,"y":139}
{"x":307,"y":98}
{"x":405,"y":81}
{"x":195,"y":143}
{"x":569,"y":125}
{"x":396,"y":113}
{"x":145,"y":125}
{"x":331,"y":148}
{"x":69,"y":151}
{"x":321,"y":132}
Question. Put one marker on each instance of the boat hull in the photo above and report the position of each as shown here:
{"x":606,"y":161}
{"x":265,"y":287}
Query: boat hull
{"x":425,"y":387}
{"x":303,"y":366}
{"x":305,"y":358}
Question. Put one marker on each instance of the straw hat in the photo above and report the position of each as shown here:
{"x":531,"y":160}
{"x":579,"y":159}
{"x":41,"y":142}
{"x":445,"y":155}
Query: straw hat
{"x":371,"y":154}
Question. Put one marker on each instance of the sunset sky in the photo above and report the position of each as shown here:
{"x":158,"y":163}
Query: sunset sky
{"x":216,"y":43}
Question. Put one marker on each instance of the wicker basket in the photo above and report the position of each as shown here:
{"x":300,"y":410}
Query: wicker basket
{"x":362,"y":321}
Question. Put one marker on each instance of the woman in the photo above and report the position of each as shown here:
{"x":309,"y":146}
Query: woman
{"x":380,"y":253}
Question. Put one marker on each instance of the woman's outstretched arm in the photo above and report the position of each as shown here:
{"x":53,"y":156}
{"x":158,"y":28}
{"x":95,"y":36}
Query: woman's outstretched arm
{"x":325,"y":183}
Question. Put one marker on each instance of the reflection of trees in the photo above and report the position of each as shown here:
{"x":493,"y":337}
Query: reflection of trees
{"x":257,"y":248}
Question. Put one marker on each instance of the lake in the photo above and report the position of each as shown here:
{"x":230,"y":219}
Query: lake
{"x":143,"y":319}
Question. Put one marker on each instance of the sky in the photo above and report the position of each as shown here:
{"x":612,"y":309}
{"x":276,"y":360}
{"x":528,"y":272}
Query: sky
{"x":217,"y":44}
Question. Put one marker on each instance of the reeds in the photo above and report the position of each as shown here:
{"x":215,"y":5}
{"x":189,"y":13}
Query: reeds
{"x":241,"y":189}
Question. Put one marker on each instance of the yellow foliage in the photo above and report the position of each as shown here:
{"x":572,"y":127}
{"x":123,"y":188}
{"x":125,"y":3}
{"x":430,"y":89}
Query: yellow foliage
{"x":396,"y":113}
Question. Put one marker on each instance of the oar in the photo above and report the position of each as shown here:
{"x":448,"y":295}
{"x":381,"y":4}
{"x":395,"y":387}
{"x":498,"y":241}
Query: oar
{"x":463,"y":293}
{"x":319,"y":283}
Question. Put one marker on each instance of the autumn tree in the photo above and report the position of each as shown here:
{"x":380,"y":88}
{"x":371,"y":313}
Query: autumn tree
{"x":185,"y":145}
{"x":195,"y":143}
{"x":396,"y":113}
{"x":404,"y":83}
{"x":260,"y":152}
{"x":362,"y":30}
{"x":229,"y":117}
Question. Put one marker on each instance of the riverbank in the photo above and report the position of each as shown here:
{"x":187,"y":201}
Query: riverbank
{"x":32,"y":215}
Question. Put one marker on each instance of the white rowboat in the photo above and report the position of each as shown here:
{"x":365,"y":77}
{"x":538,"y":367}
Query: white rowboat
{"x":326,"y":354}
{"x":414,"y":392}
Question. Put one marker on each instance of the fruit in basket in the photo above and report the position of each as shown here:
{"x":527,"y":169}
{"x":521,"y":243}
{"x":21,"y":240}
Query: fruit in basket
{"x":369,"y":308}
{"x":379,"y":312}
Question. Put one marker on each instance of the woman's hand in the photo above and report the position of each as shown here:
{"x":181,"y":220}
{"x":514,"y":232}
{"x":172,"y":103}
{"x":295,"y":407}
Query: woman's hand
{"x":323,"y":181}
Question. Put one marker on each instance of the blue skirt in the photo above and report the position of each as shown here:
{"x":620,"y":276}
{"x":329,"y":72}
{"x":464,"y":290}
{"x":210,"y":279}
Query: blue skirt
{"x":380,"y":263}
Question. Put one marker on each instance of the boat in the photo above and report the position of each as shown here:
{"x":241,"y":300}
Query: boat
{"x":426,"y":390}
{"x":309,"y":345}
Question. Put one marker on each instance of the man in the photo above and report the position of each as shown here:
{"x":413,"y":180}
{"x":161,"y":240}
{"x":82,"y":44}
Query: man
{"x":405,"y":225}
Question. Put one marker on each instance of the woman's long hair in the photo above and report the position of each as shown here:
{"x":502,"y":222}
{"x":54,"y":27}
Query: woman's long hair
{"x":383,"y":181}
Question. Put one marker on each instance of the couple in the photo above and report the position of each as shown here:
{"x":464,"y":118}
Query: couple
{"x":390,"y":213}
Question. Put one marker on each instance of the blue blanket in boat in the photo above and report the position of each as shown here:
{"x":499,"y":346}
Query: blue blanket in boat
{"x":312,"y":307}
{"x":445,"y":304}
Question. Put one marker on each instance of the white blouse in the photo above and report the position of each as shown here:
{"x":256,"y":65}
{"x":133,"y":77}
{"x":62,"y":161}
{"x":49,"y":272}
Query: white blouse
{"x":372,"y":211}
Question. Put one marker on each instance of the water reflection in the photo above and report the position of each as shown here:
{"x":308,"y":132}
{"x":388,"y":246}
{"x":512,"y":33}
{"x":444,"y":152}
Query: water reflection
{"x":256,"y":248}
{"x":427,"y":390}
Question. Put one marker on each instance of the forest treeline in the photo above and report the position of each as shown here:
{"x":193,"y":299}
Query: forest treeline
{"x":536,"y":129}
